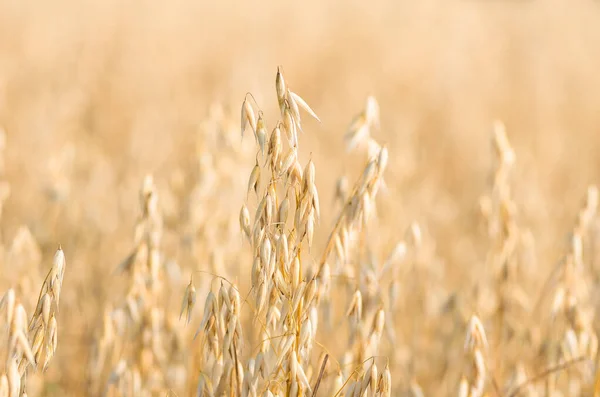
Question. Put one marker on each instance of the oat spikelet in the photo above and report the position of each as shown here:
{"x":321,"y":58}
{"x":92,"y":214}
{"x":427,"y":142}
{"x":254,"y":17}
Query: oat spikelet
{"x":297,"y":99}
{"x":189,"y":299}
{"x":245,"y":221}
{"x":254,"y":180}
{"x":248,"y":117}
{"x":261,"y":133}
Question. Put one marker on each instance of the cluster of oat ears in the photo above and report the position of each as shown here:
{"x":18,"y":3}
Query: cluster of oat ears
{"x":32,"y":342}
{"x":287,"y":288}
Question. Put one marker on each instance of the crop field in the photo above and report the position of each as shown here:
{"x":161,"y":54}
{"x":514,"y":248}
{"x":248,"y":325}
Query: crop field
{"x":344,"y":198}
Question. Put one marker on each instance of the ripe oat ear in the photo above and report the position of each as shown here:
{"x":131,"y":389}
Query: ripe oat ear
{"x":254,"y":180}
{"x":289,"y":125}
{"x":302,"y":103}
{"x":295,"y":109}
{"x":244,"y":119}
{"x":288,"y":161}
{"x":261,"y":133}
{"x":247,"y":117}
{"x":189,"y":299}
{"x":280,"y":87}
{"x":245,"y":221}
{"x":274,"y":150}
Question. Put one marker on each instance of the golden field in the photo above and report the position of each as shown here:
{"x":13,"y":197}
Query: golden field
{"x":95,"y":96}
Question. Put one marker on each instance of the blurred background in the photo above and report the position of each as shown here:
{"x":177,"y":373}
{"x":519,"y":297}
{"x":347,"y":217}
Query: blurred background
{"x":96,"y":94}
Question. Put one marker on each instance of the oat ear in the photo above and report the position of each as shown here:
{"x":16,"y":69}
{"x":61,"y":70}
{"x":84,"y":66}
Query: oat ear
{"x":302,"y":103}
{"x":280,"y":87}
{"x":247,"y":117}
{"x":254,"y":180}
{"x":261,"y":133}
{"x":244,"y":119}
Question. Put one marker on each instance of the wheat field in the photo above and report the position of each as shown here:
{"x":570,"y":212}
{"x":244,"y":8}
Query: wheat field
{"x":384,"y":198}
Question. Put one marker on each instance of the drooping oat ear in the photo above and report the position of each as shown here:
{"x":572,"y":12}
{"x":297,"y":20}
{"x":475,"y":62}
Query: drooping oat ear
{"x":475,"y":334}
{"x":295,"y":176}
{"x":46,"y":307}
{"x":386,"y":388}
{"x":378,"y":323}
{"x":245,"y":220}
{"x":248,"y":117}
{"x":355,"y":308}
{"x":283,"y":252}
{"x":288,"y":161}
{"x":52,"y":341}
{"x":302,"y":103}
{"x":280,"y":88}
{"x":274,"y":152}
{"x":315,"y":202}
{"x":254,"y":180}
{"x":210,"y":308}
{"x":23,"y":343}
{"x":58,"y":264}
{"x":189,"y":299}
{"x":269,"y":208}
{"x":243,"y":119}
{"x":310,"y":229}
{"x":261,"y":133}
{"x":260,"y":211}
{"x":309,"y":174}
{"x":265,"y":253}
{"x":38,"y":344}
{"x":284,"y":208}
{"x":294,"y":108}
{"x":290,"y":127}
{"x":303,"y":379}
{"x":224,"y":300}
{"x":374,"y":378}
{"x":258,"y":232}
{"x":19,"y":320}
